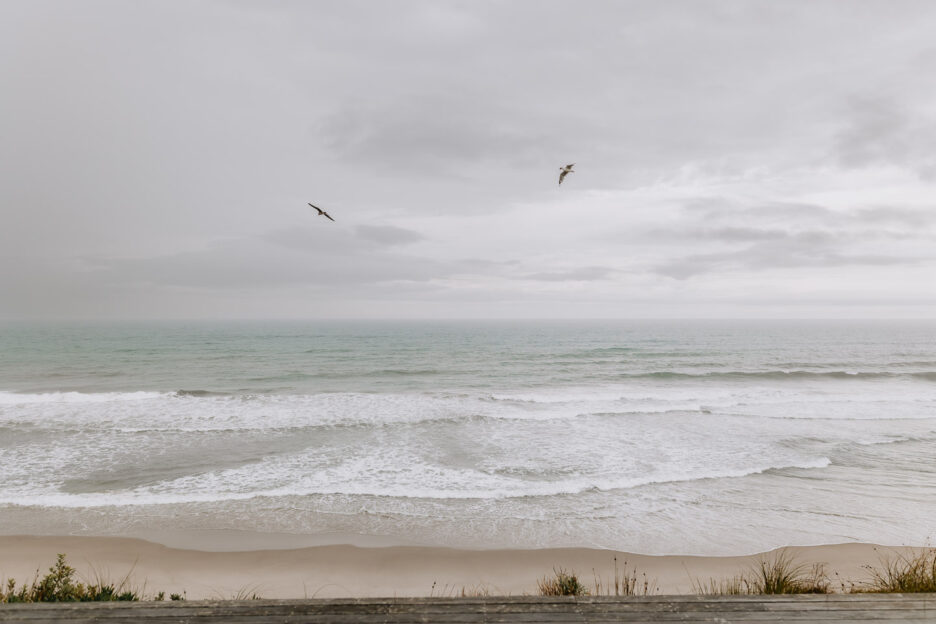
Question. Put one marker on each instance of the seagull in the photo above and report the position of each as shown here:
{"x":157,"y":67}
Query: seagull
{"x":564,"y":171}
{"x":321,"y":212}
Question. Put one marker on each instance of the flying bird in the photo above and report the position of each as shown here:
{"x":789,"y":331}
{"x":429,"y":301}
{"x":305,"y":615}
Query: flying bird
{"x":321,"y":212}
{"x":564,"y":171}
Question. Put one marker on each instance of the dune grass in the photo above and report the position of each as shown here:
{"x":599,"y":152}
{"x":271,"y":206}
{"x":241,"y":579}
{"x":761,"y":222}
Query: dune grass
{"x":734,"y":586}
{"x":904,"y":574}
{"x":60,"y":585}
{"x":624,"y":582}
{"x":777,"y":574}
{"x":561,"y":583}
{"x":782,"y":575}
{"x":481,"y":590}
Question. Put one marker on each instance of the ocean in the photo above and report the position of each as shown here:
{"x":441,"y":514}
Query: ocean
{"x":657,"y":437}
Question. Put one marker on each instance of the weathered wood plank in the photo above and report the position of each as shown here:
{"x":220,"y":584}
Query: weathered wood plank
{"x":921,"y":617}
{"x":502,"y":603}
{"x":687,"y":609}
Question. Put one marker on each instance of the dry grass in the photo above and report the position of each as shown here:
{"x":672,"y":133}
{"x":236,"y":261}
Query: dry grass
{"x":776,"y":574}
{"x":246,"y":592}
{"x":625,"y":582}
{"x":481,"y":590}
{"x":561,"y":583}
{"x":733,"y":586}
{"x":903,"y":574}
{"x":779,"y":574}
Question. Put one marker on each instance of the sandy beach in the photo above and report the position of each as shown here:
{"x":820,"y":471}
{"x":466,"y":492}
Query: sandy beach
{"x":353,"y":571}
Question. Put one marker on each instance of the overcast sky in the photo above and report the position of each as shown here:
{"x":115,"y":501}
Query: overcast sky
{"x":732,"y":159}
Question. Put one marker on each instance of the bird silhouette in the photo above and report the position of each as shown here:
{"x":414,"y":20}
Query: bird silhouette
{"x":321,"y":212}
{"x":564,"y":171}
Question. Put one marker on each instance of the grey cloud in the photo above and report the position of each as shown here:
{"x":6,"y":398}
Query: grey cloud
{"x":785,"y":235}
{"x":640,"y":90}
{"x":730,"y":220}
{"x":583,"y":274}
{"x":880,"y":131}
{"x":428,"y":134}
{"x":784,"y":213}
{"x":258,"y":263}
{"x":334,"y":237}
{"x":801,"y":251}
{"x":388,"y":234}
{"x":480,"y":266}
{"x":327,"y":256}
{"x":325,"y":237}
{"x":151,"y":128}
{"x":897,"y":216}
{"x":744,"y":234}
{"x":726,"y":234}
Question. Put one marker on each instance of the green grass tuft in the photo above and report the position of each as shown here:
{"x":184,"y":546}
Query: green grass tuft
{"x":905,"y":574}
{"x":561,"y":583}
{"x":62,"y":585}
{"x":779,"y":574}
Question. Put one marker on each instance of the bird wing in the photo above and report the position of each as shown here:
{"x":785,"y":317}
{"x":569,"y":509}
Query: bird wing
{"x":316,"y":207}
{"x":562,"y":175}
{"x":327,"y":215}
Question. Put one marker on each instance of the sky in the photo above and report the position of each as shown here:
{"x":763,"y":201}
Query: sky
{"x":733,"y":159}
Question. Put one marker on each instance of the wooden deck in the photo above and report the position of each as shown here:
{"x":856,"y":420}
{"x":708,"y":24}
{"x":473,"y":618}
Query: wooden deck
{"x":723,"y":609}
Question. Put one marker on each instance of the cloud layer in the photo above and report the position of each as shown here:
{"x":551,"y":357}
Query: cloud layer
{"x":733,"y":159}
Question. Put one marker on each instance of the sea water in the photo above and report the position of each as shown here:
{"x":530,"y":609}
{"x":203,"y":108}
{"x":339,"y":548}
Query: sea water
{"x":695,"y":437}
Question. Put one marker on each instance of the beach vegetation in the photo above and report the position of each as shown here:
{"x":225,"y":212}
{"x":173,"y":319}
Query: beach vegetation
{"x":61,"y":585}
{"x":780,"y":574}
{"x":734,"y":586}
{"x":624,"y":582}
{"x":561,"y":583}
{"x":476,"y":591}
{"x":247,"y":592}
{"x":771,"y":574}
{"x":912,"y":572}
{"x":481,"y":590}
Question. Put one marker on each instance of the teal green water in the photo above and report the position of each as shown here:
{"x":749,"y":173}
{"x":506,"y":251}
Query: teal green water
{"x":302,"y":358}
{"x":628,"y":435}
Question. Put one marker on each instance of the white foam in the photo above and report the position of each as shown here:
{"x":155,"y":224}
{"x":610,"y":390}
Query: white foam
{"x":429,"y":445}
{"x":413,"y":481}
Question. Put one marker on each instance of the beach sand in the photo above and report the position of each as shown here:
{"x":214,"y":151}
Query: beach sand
{"x":326,"y":571}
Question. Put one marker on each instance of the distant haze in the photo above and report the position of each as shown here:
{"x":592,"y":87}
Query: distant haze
{"x":733,"y":159}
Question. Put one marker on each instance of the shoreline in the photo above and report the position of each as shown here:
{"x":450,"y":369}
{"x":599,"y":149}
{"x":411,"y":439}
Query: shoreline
{"x":354,"y":571}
